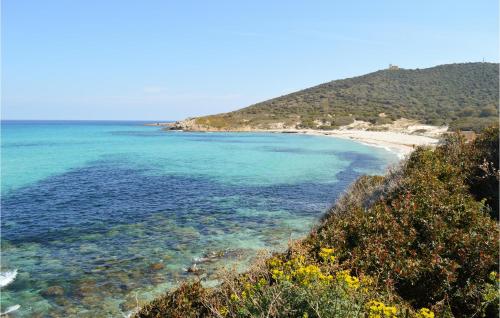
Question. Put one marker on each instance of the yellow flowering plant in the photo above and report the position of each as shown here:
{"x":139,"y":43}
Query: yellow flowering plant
{"x":377,"y":309}
{"x":425,"y":313}
{"x":326,"y":254}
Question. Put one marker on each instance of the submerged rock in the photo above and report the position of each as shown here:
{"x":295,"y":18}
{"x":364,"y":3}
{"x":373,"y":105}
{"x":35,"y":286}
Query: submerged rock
{"x":158,"y":279}
{"x":86,"y":288}
{"x":53,"y":291}
{"x":62,"y":301}
{"x":157,"y":266}
{"x":193,"y":269}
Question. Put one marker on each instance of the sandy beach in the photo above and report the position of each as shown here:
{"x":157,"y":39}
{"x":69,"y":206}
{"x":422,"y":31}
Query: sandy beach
{"x":401,"y":136}
{"x":398,"y":142}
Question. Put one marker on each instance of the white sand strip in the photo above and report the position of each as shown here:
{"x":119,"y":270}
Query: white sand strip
{"x":398,"y":142}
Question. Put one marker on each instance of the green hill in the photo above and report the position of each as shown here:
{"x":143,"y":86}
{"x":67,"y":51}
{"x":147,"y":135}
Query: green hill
{"x":462,"y":95}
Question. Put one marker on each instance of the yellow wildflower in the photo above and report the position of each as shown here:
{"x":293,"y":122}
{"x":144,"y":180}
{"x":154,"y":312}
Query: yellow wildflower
{"x":352,"y":282}
{"x":326,"y":254}
{"x":234,"y":297}
{"x":390,"y":311}
{"x":223,"y":311}
{"x":493,"y":276}
{"x":425,"y":313}
{"x":277,"y":274}
{"x":367,"y":280}
{"x":342,"y":274}
{"x":377,"y":309}
{"x":262,"y":282}
{"x":275,"y":262}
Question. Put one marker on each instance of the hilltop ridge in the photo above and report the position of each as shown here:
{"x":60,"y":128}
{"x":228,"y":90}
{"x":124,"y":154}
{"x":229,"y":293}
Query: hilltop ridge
{"x":463,"y":96}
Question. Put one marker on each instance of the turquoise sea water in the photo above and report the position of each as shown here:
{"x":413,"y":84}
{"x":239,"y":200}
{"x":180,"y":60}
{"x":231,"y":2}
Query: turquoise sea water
{"x":99,"y":215}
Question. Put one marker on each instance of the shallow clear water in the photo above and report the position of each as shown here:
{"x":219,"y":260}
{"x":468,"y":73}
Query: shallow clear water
{"x":98,"y":214}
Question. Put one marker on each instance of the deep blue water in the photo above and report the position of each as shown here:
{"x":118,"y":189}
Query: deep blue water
{"x":91,"y":208}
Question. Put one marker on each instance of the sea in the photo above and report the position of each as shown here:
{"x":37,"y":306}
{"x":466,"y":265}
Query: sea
{"x":100,"y":217}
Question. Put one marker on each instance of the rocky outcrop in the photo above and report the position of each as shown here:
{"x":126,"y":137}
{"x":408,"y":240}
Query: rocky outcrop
{"x":188,"y":124}
{"x":191,"y":124}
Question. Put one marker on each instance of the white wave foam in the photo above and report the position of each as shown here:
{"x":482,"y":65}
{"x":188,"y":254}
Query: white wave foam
{"x":10,"y":309}
{"x":200,"y":259}
{"x":7,"y":277}
{"x":128,"y":314}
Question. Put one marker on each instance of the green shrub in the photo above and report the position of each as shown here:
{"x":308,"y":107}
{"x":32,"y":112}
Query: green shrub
{"x":295,"y":287}
{"x":343,"y":120}
{"x":307,"y":123}
{"x":482,"y":174}
{"x":476,"y":124}
{"x":489,"y":111}
{"x":187,"y":301}
{"x":283,"y":286}
{"x":383,"y":120}
{"x":427,"y":236}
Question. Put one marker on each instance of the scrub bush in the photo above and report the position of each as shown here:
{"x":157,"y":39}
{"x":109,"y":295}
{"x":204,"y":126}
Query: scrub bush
{"x":430,"y":237}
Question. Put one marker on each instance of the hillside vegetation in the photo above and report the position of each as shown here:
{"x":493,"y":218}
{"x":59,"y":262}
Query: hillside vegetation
{"x":421,"y":241}
{"x":464,"y":96}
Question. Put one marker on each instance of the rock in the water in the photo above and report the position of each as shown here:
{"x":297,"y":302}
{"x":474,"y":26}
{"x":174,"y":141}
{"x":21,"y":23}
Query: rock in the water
{"x":86,"y":288}
{"x":53,"y":291}
{"x":193,"y":269}
{"x":158,"y":279}
{"x":157,"y":266}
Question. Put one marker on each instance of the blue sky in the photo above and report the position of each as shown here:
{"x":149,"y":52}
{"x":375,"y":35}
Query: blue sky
{"x":87,"y":59}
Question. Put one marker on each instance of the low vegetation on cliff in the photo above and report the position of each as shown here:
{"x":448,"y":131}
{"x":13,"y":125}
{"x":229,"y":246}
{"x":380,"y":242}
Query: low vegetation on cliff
{"x":421,"y":241}
{"x":464,"y":96}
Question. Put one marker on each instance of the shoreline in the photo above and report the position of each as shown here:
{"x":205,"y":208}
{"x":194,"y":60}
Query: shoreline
{"x":399,"y":143}
{"x":400,"y":137}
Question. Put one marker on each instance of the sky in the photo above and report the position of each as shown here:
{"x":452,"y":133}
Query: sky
{"x":168,"y":60}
